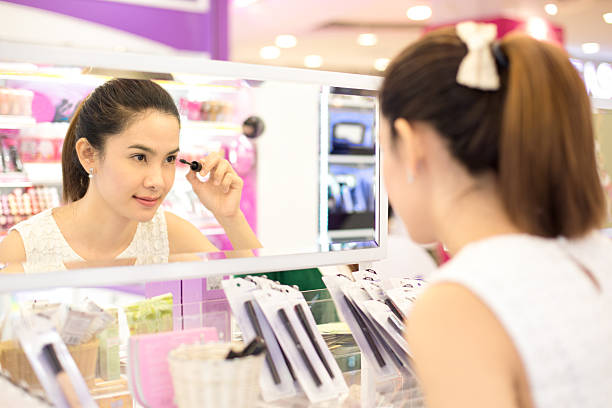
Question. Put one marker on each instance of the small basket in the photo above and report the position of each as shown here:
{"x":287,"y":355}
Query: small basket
{"x":203,"y":378}
{"x":16,"y":363}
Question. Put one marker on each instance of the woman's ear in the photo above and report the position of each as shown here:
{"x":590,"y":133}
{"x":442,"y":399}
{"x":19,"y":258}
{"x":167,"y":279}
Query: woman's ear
{"x":411,"y":144}
{"x":87,"y":154}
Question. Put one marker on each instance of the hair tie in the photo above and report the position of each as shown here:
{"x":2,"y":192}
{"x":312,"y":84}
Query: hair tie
{"x":478,"y":70}
{"x":500,"y":56}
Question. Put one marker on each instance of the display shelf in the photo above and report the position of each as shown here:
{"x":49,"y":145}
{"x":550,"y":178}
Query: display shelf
{"x":44,"y":173}
{"x":210,"y":125}
{"x":16,"y":122}
{"x":14,"y":180}
{"x":351,"y":159}
{"x":351,"y":233}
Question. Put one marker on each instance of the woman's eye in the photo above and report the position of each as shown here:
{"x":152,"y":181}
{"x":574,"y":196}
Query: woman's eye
{"x":140,"y":157}
{"x":171,"y":159}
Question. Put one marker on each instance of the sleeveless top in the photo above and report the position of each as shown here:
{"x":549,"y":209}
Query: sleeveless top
{"x":559,"y":319}
{"x":46,"y":248}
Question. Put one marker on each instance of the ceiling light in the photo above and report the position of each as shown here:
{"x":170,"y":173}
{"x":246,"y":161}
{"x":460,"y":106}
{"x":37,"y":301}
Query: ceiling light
{"x":537,"y":28}
{"x":381,"y":63}
{"x":590,"y":48}
{"x":313,"y":61}
{"x":551,"y":8}
{"x":269,"y":52}
{"x":286,"y":41}
{"x":367,"y":39}
{"x":244,"y":3}
{"x":608,"y":18}
{"x":419,"y":13}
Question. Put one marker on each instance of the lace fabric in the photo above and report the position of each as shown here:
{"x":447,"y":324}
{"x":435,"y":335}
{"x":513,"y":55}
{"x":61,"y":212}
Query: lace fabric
{"x":47,"y":250}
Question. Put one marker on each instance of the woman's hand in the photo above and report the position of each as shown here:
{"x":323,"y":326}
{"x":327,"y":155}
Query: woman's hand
{"x":222,"y":191}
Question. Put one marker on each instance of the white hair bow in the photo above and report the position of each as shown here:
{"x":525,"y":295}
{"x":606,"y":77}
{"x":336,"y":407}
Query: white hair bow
{"x":478,"y":70}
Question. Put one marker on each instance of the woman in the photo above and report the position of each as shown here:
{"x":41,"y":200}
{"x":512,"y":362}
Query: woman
{"x":118,"y":165}
{"x":491,"y":152}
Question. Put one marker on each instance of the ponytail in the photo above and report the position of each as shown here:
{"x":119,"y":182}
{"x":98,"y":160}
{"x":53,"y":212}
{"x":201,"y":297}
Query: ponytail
{"x":547,"y":166}
{"x":74,"y":178}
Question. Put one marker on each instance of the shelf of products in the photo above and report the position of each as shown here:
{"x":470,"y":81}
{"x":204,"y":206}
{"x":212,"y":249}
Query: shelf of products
{"x":351,"y":159}
{"x":21,"y":203}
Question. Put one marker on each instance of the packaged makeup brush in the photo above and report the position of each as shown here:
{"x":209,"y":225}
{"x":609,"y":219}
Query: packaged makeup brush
{"x":371,"y":347}
{"x":309,"y":364}
{"x":276,"y":381}
{"x":49,"y":357}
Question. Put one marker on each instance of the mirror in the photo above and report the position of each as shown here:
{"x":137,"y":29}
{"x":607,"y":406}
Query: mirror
{"x":311,"y":177}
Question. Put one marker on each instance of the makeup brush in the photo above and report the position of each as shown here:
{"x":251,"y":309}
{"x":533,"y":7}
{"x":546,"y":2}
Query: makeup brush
{"x":61,"y":376}
{"x":194,"y":165}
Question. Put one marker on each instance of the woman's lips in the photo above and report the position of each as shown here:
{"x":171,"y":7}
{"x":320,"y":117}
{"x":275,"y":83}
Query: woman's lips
{"x":147,"y":201}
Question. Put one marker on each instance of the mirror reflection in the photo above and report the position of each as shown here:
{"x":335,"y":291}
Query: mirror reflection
{"x":144,"y":168}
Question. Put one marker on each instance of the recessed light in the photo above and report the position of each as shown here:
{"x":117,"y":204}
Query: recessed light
{"x":419,"y":13}
{"x":244,"y":3}
{"x":608,"y":18}
{"x":269,"y":52}
{"x":537,"y":28}
{"x":286,"y":41}
{"x":381,"y":63}
{"x":551,"y":8}
{"x":367,"y":39}
{"x":590,"y":48}
{"x":313,"y":61}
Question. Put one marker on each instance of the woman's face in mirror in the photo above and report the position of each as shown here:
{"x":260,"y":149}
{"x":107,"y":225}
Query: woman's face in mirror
{"x":137,"y":169}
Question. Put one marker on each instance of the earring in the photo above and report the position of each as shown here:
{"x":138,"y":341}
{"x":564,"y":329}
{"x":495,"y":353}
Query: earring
{"x":91,"y":174}
{"x":410,"y":177}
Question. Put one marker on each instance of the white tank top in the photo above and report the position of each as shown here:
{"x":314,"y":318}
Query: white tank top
{"x":559,"y":320}
{"x":46,"y":248}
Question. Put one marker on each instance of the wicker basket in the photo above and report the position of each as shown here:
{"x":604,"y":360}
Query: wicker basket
{"x":203,"y":378}
{"x":16,"y":364}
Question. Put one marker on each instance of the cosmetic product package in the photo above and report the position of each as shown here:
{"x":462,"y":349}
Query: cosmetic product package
{"x":371,"y":348}
{"x":390,"y":328}
{"x":397,"y":355}
{"x":357,"y":296}
{"x":315,"y":367}
{"x":149,"y":376}
{"x":277,"y":378}
{"x":49,"y":357}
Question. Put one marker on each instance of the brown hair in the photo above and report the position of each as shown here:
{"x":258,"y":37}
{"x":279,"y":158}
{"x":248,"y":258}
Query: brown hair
{"x":535,"y":132}
{"x":108,"y":110}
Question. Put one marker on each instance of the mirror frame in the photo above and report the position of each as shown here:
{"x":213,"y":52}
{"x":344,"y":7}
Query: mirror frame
{"x":118,"y":275}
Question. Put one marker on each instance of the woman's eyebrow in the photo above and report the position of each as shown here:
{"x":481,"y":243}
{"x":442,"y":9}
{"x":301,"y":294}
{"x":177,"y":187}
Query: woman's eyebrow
{"x":149,"y":150}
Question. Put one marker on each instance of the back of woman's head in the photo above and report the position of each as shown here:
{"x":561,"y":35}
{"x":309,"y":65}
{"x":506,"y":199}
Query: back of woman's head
{"x":108,"y":110}
{"x":534,"y":132}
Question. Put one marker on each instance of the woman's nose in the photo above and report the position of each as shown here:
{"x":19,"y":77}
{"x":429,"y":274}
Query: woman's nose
{"x":154,"y":180}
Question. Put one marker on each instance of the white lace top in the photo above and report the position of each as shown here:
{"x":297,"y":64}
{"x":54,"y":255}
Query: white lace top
{"x":46,"y":248}
{"x":559,"y":319}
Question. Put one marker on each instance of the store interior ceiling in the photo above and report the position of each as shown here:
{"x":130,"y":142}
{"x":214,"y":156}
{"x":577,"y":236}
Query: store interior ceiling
{"x":326,"y":32}
{"x":330,"y":28}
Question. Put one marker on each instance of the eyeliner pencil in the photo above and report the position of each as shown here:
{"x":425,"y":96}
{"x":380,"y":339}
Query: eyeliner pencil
{"x":366,"y":333}
{"x":302,"y":316}
{"x":298,"y":345}
{"x":253,"y":318}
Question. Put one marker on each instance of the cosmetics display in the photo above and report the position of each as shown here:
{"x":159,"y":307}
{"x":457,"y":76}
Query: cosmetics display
{"x":206,"y":110}
{"x":21,"y":203}
{"x":375,"y":312}
{"x":16,"y":102}
{"x":42,"y":143}
{"x":297,"y":353}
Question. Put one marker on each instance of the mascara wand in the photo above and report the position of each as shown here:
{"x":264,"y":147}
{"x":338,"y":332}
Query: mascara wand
{"x":194,"y":165}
